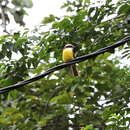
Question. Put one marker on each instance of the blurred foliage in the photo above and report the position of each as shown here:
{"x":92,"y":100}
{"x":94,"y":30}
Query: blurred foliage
{"x":96,"y":100}
{"x":15,"y":8}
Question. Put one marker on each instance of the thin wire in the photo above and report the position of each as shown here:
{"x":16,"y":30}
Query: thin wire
{"x":61,"y":66}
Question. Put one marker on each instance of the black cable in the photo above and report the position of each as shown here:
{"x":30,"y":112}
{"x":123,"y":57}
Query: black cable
{"x":61,"y":66}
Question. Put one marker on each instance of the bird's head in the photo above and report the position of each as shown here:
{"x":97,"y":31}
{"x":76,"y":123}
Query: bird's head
{"x":69,"y":46}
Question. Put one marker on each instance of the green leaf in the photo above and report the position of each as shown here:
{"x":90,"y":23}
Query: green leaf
{"x":97,"y":12}
{"x":89,"y":127}
{"x":49,"y":19}
{"x":4,"y":49}
{"x":62,"y":99}
{"x":2,"y":55}
{"x":23,"y":3}
{"x":124,"y":9}
{"x":108,"y":1}
{"x":91,"y":10}
{"x":87,"y":1}
{"x":9,"y":54}
{"x":42,"y":122}
{"x":4,"y":120}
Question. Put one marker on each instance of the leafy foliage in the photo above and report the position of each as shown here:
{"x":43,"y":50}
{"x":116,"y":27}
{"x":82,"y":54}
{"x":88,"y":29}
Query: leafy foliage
{"x":16,"y":8}
{"x":96,"y":100}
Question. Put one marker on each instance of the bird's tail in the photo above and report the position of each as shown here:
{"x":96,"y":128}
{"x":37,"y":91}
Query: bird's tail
{"x":74,"y":70}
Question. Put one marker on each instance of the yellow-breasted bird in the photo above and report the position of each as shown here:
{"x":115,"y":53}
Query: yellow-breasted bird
{"x":68,"y":55}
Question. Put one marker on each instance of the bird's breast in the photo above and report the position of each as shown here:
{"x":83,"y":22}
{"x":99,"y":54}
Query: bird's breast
{"x":68,"y":54}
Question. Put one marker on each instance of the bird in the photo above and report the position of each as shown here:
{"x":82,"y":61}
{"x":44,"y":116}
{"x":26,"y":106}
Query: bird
{"x":68,"y":55}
